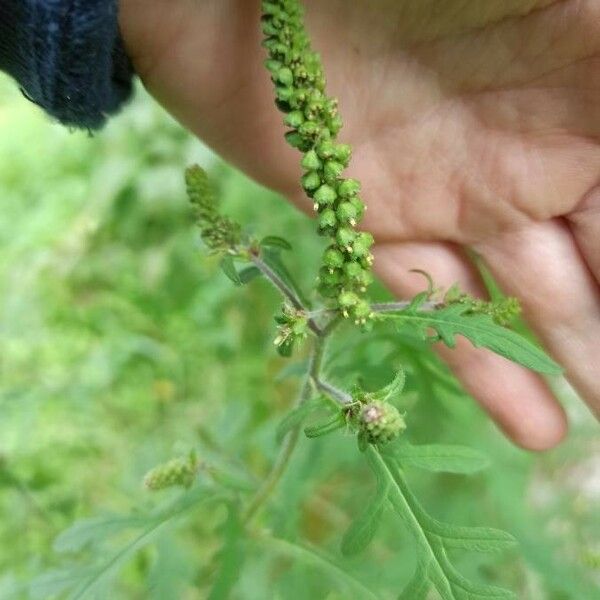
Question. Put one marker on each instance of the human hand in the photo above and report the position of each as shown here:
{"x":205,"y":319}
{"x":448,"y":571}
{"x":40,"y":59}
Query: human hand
{"x":474,"y":124}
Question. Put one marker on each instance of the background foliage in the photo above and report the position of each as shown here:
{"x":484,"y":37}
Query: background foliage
{"x":123,"y":345}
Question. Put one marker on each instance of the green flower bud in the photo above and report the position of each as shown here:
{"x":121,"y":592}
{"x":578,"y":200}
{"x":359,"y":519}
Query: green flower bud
{"x":273,"y":65}
{"x":333,"y":258}
{"x":328,"y":291}
{"x":380,"y":422}
{"x":310,"y":129}
{"x":268,"y":28}
{"x":327,"y":219}
{"x":345,"y":237}
{"x":348,"y":299}
{"x":343,"y":152}
{"x":285,"y":76}
{"x":346,"y":213}
{"x":362,"y":311}
{"x":294,"y":119}
{"x":284,"y":94}
{"x":330,"y":277}
{"x":359,"y":206}
{"x":325,"y":195}
{"x":326,"y":150}
{"x":311,"y":161}
{"x":348,"y":188}
{"x":332,"y":170}
{"x":294,"y":139}
{"x":299,"y":97}
{"x":177,"y":472}
{"x":311,"y":181}
{"x":362,"y":244}
{"x":353,"y":270}
{"x":335,"y":124}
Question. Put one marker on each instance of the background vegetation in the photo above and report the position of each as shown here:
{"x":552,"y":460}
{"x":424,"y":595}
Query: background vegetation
{"x":122,"y":346}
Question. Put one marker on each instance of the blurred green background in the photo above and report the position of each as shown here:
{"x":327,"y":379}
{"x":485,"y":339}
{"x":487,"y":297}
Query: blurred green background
{"x":122,"y":345}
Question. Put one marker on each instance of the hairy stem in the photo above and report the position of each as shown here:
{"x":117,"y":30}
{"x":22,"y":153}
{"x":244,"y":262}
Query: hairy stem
{"x":291,"y":439}
{"x":386,"y":307}
{"x":336,"y":394}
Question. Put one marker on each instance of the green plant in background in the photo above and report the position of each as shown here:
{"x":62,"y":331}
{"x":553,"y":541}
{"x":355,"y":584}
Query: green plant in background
{"x":123,"y":349}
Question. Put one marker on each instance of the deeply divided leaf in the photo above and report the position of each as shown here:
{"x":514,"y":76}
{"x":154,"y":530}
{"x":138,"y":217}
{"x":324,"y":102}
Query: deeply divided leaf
{"x":482,"y":331}
{"x":363,"y":528}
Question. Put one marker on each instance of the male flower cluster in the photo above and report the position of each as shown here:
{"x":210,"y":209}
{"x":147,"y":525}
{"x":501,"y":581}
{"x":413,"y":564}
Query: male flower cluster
{"x":177,"y":472}
{"x":314,"y":123}
{"x":219,"y":233}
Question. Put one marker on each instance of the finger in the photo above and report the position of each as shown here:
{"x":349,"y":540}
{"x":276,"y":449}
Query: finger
{"x":519,"y":401}
{"x":585,"y":225}
{"x":543,"y":267}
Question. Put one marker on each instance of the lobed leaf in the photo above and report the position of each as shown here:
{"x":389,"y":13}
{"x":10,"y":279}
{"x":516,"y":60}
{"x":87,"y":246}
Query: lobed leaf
{"x":432,"y":538}
{"x":363,"y":528}
{"x":482,"y":331}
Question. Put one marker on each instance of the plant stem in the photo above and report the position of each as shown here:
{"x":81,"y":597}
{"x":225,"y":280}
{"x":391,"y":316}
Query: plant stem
{"x":385,"y":307}
{"x":382,"y":307}
{"x":338,"y":395}
{"x":285,"y":290}
{"x":291,"y":439}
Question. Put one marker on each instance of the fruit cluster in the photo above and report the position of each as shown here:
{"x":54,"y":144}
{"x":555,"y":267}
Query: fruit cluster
{"x":504,"y":310}
{"x":380,"y":422}
{"x":314,"y":123}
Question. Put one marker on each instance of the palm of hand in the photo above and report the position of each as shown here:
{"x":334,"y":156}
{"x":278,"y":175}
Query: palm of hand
{"x":472,"y":126}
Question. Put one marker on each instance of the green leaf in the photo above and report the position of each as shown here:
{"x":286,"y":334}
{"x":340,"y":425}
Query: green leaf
{"x":296,"y":417}
{"x":438,"y":457}
{"x":324,"y":428}
{"x":430,"y":544}
{"x":248,"y":274}
{"x":363,"y":528}
{"x":393,"y":389}
{"x":418,"y":586}
{"x":482,"y":331}
{"x":317,"y":559}
{"x":228,"y":267}
{"x":91,"y":581}
{"x":273,"y":241}
{"x":93,"y":531}
{"x":230,"y":557}
{"x":476,"y":539}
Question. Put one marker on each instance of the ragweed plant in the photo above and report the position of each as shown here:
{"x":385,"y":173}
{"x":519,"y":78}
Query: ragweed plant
{"x":328,"y":404}
{"x":377,"y":418}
